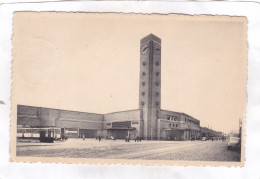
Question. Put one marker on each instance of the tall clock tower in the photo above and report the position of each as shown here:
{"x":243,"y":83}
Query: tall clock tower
{"x":150,"y":84}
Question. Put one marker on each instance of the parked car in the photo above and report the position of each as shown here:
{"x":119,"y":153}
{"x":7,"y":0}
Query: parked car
{"x":233,"y":143}
{"x":203,"y":138}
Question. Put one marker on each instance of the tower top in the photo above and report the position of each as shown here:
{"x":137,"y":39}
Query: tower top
{"x":151,"y":37}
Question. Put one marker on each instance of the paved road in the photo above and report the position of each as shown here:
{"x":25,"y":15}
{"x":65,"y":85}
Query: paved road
{"x":147,"y":150}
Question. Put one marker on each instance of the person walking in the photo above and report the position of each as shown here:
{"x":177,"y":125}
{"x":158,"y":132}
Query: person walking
{"x":83,"y":137}
{"x":99,"y":138}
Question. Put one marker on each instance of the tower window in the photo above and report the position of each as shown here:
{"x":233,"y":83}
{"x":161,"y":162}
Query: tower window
{"x":143,"y":73}
{"x":157,"y":103}
{"x":172,"y":125}
{"x":143,"y":83}
{"x":144,"y":63}
{"x":157,"y":83}
{"x":142,"y":103}
{"x":168,"y":117}
{"x":157,"y":93}
{"x":156,"y":63}
{"x":143,"y":93}
{"x":157,"y":73}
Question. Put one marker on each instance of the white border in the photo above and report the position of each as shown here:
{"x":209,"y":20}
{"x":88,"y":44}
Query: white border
{"x":252,"y":156}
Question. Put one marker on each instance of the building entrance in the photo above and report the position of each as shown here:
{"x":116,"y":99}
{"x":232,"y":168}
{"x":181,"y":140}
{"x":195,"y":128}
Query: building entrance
{"x":118,"y":134}
{"x":174,"y":135}
{"x":121,"y":133}
{"x":88,"y":133}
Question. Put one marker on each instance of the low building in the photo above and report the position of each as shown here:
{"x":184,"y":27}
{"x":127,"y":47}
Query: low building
{"x":209,"y":133}
{"x":177,"y":126}
{"x":74,"y":124}
{"x":170,"y":125}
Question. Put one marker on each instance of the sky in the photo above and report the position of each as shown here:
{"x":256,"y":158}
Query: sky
{"x":90,"y":62}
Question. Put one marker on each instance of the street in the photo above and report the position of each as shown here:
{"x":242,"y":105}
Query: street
{"x":145,"y":150}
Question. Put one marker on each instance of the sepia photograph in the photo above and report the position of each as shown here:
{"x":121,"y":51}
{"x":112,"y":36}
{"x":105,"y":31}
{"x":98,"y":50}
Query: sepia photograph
{"x":124,"y":88}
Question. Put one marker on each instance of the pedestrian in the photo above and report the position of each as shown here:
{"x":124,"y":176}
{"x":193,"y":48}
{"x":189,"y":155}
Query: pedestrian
{"x":83,"y":137}
{"x":127,"y":139}
{"x":99,"y":138}
{"x":113,"y":138}
{"x":137,"y":139}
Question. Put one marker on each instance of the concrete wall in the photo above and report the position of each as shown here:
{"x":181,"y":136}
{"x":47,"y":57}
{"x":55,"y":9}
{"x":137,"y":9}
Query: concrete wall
{"x":163,"y":114}
{"x":135,"y":116}
{"x":123,"y":116}
{"x":82,"y":120}
{"x":27,"y":116}
{"x":48,"y":117}
{"x":179,"y":125}
{"x":186,"y":121}
{"x":191,"y":123}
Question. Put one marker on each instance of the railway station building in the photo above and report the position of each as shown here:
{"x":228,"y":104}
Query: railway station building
{"x":149,"y":122}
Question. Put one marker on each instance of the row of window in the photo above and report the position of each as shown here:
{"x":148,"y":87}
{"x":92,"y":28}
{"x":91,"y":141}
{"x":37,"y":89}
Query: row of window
{"x":173,"y":125}
{"x":157,"y":93}
{"x":156,"y":103}
{"x":172,"y":118}
{"x":156,"y":83}
{"x":191,"y":122}
{"x":156,"y":73}
{"x":156,"y":63}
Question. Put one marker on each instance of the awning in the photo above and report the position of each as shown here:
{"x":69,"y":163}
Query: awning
{"x":122,"y":128}
{"x":169,"y":129}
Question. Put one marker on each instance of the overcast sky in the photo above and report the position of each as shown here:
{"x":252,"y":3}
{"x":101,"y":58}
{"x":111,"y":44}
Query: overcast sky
{"x":91,"y":63}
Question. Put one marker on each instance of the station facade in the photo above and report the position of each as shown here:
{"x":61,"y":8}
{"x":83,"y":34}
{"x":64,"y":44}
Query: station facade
{"x":149,"y":122}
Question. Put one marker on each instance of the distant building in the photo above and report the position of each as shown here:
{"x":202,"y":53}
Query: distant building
{"x":149,"y":121}
{"x":209,"y":133}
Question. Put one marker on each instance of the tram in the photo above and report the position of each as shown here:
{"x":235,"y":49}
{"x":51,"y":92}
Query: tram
{"x":42,"y":134}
